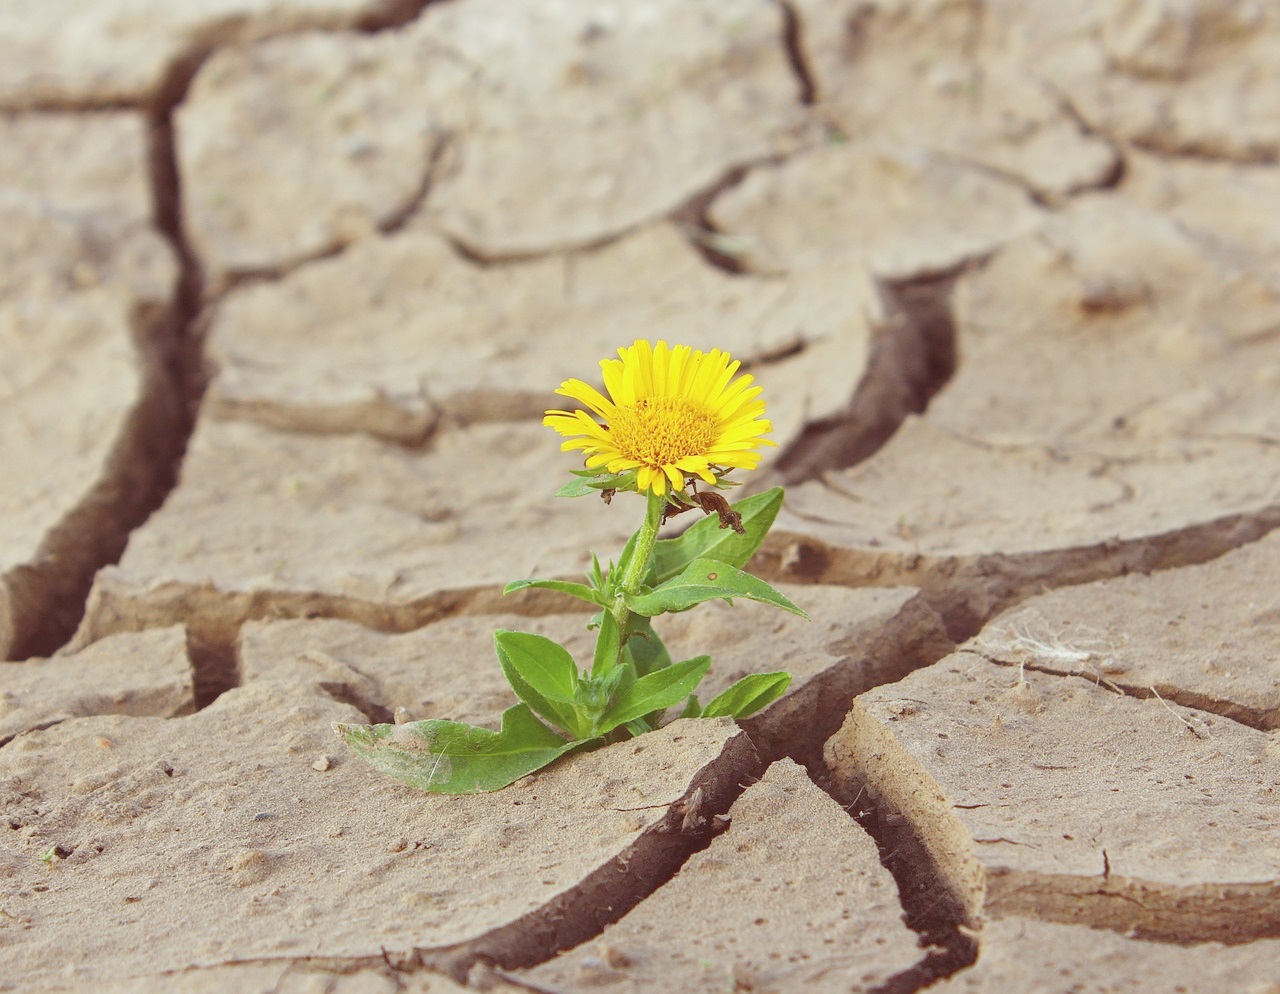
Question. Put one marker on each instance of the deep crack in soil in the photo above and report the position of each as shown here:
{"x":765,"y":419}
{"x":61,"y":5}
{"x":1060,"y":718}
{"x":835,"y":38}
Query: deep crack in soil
{"x":969,"y":590}
{"x":911,"y":359}
{"x":929,"y":907}
{"x":694,"y":218}
{"x":605,"y":896}
{"x":145,"y":465}
{"x":793,"y":43}
{"x":49,"y":596}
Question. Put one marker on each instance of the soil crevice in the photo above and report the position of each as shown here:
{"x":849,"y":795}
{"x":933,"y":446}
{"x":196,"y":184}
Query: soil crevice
{"x":1167,"y":693}
{"x":935,"y":906}
{"x":912,"y":359}
{"x":720,"y":250}
{"x":144,"y":465}
{"x":793,"y":43}
{"x":582,"y":913}
{"x":394,"y":14}
{"x":968,"y":590}
{"x":437,"y":159}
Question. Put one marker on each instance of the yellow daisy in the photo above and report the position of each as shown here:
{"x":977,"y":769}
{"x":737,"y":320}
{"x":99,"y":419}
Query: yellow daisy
{"x":671,"y":413}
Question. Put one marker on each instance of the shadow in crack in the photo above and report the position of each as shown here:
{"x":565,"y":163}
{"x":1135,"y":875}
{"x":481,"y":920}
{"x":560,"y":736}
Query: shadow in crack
{"x":48,"y":598}
{"x":215,"y":669}
{"x":930,"y":908}
{"x":793,"y":44}
{"x":344,"y":693}
{"x":47,"y":595}
{"x":392,"y":14}
{"x":694,"y":219}
{"x":912,"y":358}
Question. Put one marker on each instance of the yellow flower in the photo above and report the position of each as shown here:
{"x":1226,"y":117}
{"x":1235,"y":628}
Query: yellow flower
{"x":671,"y":412}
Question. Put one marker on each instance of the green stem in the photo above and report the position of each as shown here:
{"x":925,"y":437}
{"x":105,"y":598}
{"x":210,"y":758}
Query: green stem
{"x":638,"y":568}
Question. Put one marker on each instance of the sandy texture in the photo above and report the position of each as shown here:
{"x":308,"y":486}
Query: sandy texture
{"x":147,"y":673}
{"x":85,"y":288}
{"x":977,"y":101}
{"x":69,"y":163}
{"x":1162,"y":634}
{"x":1114,"y":405}
{"x":610,"y":121}
{"x":787,"y":921}
{"x":300,"y":976}
{"x":1044,"y":789}
{"x":460,"y":343}
{"x":1192,"y":78}
{"x":285,"y":287}
{"x":249,"y":824}
{"x":901,"y":210}
{"x":345,"y":526}
{"x":54,"y":53}
{"x":615,"y":114}
{"x":1021,"y":954}
{"x":249,"y":133}
{"x":86,"y":358}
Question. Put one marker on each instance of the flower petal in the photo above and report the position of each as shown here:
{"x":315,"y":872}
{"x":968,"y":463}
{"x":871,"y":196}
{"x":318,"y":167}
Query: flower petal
{"x":615,"y":381}
{"x":585,"y":393}
{"x":672,"y":413}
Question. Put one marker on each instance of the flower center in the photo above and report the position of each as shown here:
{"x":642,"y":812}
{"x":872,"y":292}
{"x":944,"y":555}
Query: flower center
{"x":660,"y":431}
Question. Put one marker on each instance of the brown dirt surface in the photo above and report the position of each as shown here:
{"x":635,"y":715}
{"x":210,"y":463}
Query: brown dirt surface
{"x":285,"y":287}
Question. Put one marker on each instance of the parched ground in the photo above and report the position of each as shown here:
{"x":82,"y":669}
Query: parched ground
{"x":284,"y":288}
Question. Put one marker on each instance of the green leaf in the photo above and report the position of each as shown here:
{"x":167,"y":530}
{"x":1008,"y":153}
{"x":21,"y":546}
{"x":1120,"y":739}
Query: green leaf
{"x":619,"y":680}
{"x":748,"y":695}
{"x":646,"y":653}
{"x":577,"y":487}
{"x":543,"y":675}
{"x":615,"y":481}
{"x":588,"y":481}
{"x":578,"y":590}
{"x":637,"y":727}
{"x":645,"y":646}
{"x":692,"y":709}
{"x":448,"y":757}
{"x":624,"y":557}
{"x":608,"y":645}
{"x":706,"y":580}
{"x":655,"y":692}
{"x":707,"y":540}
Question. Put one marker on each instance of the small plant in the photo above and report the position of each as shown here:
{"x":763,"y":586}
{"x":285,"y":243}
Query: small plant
{"x":675,"y":418}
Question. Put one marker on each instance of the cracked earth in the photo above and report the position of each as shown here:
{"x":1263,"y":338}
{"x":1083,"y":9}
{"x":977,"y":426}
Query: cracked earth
{"x":286,"y":286}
